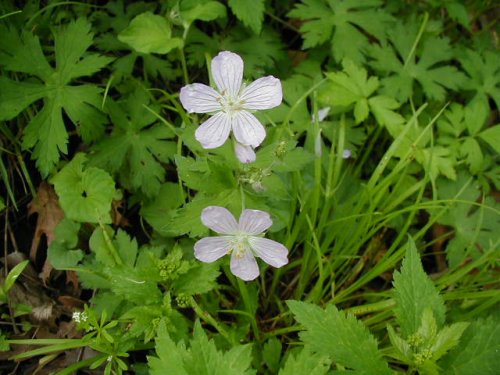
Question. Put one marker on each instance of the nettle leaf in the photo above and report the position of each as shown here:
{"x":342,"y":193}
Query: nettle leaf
{"x":346,"y":24}
{"x":403,"y":67}
{"x":149,"y":33}
{"x":477,"y":352}
{"x":475,"y":227}
{"x":137,"y":146}
{"x":483,"y":73}
{"x":306,"y":363}
{"x":353,"y":88}
{"x":340,"y":336}
{"x":414,"y":292}
{"x":251,"y":13}
{"x":85,"y":194}
{"x":202,"y":357}
{"x":46,"y":134}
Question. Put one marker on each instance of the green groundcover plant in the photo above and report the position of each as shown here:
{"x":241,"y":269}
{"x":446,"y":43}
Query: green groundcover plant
{"x":343,"y":154}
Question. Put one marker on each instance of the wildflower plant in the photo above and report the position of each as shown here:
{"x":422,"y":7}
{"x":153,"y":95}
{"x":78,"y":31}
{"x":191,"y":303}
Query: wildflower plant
{"x":367,"y":184}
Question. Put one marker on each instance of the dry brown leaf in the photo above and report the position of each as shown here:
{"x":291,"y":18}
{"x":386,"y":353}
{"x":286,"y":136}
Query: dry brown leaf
{"x":50,"y":214}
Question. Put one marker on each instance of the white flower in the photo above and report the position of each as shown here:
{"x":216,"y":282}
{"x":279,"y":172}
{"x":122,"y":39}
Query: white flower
{"x":231,"y":103}
{"x":346,"y":154}
{"x":322,"y":113}
{"x":242,"y":239}
{"x":245,"y":154}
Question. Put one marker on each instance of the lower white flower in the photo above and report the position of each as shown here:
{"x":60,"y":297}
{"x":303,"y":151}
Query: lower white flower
{"x":242,"y":239}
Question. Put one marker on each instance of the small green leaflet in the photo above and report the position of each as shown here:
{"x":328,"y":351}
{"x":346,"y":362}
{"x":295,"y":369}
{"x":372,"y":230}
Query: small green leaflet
{"x":477,"y":352}
{"x":192,"y":10}
{"x":348,"y":20}
{"x":251,"y":13}
{"x":414,"y":292}
{"x":61,"y":252}
{"x":85,"y":194}
{"x":202,"y":356}
{"x":150,"y":33}
{"x":340,"y":336}
{"x":138,"y":145}
{"x":426,"y":65}
{"x":46,"y":134}
{"x":483,"y":75}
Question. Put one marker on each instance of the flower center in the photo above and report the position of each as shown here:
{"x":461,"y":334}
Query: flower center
{"x":230,"y":104}
{"x":240,"y":244}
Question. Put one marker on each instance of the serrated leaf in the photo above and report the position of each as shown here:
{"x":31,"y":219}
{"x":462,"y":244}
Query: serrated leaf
{"x":207,"y":11}
{"x":333,"y":333}
{"x":201,"y":358}
{"x":251,"y":13}
{"x":85,"y":194}
{"x":477,"y":352}
{"x":150,"y":33}
{"x":271,"y":353}
{"x":345,"y":23}
{"x":306,"y":362}
{"x":414,"y":292}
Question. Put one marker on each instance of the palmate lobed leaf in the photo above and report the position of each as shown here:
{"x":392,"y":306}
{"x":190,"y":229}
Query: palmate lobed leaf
{"x":340,"y":21}
{"x":426,"y":65}
{"x":340,"y":336}
{"x":251,"y":13}
{"x":47,"y":133}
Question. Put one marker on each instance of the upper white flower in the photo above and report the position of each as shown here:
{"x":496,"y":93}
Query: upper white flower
{"x":242,"y":239}
{"x":231,"y":103}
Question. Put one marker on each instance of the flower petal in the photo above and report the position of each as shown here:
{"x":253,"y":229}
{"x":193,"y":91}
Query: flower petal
{"x":214,"y":132}
{"x":269,"y":251}
{"x":244,"y":265}
{"x":254,"y":221}
{"x":247,"y":129}
{"x":219,"y":219}
{"x":245,"y":154}
{"x":227,"y":71}
{"x":209,"y":249}
{"x":200,"y":98}
{"x":263,"y":93}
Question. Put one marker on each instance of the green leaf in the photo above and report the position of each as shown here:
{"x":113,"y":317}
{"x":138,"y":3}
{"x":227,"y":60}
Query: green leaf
{"x":271,"y":353}
{"x":207,"y":11}
{"x":251,"y":13}
{"x":60,"y":252}
{"x":46,"y":133}
{"x":492,"y":137}
{"x":13,"y":274}
{"x":346,"y":24}
{"x":333,"y":333}
{"x":447,"y":338}
{"x":473,"y":155}
{"x":404,"y":67}
{"x":85,"y":194}
{"x":483,"y":73}
{"x":138,"y":145}
{"x":197,"y":280}
{"x":414,"y":292}
{"x":306,"y":363}
{"x":477,"y":352}
{"x":149,"y":33}
{"x":201,"y":358}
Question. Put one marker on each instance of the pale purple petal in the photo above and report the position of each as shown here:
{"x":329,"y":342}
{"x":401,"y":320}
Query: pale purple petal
{"x":215,"y":131}
{"x":209,"y":249}
{"x":254,"y":221}
{"x":219,"y":219}
{"x":263,"y":93}
{"x":247,"y":129}
{"x":269,"y":251}
{"x":245,"y":154}
{"x":322,"y":113}
{"x":227,"y":71}
{"x":244,"y":265}
{"x":200,"y":98}
{"x":346,"y":154}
